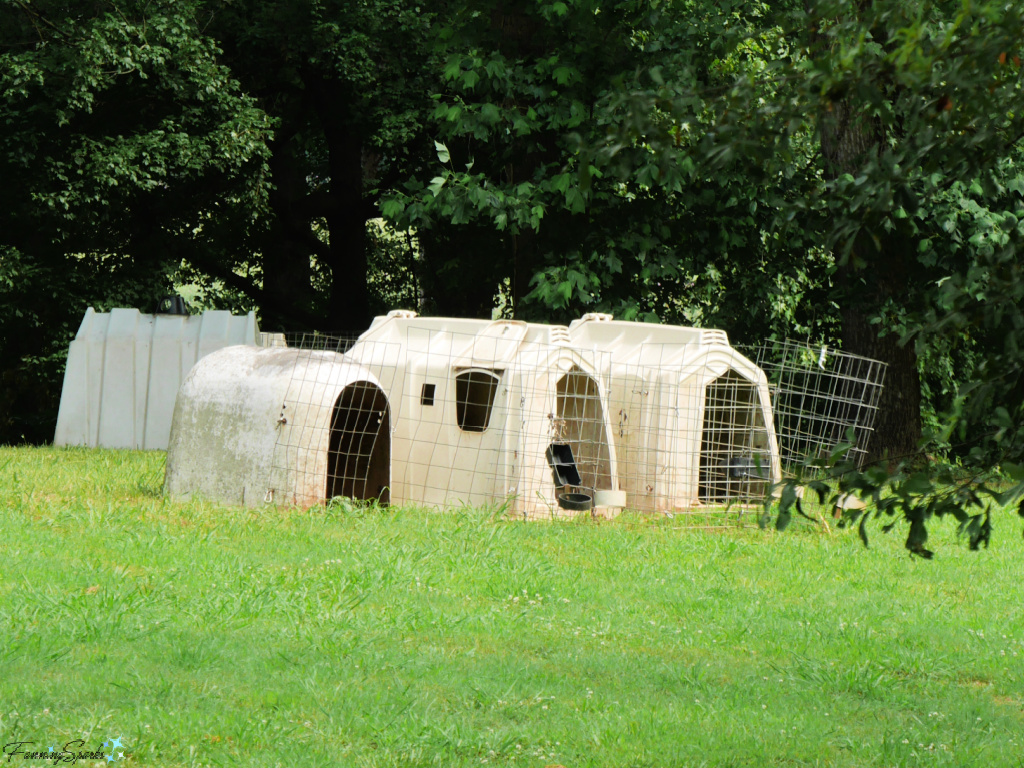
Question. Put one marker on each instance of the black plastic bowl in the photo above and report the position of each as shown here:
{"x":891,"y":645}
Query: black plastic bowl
{"x":576,"y":502}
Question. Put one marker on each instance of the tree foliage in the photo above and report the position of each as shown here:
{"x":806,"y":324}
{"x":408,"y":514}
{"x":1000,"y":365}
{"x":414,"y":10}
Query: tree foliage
{"x":237,"y":146}
{"x":120,"y":126}
{"x":346,"y":85}
{"x":531,"y":90}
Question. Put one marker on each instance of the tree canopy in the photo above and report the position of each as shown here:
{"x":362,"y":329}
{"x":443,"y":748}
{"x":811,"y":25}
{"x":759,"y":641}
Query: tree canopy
{"x":122,"y":133}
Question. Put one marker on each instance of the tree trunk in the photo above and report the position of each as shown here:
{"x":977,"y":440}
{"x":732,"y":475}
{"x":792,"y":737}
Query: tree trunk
{"x":898,"y":421}
{"x":349,"y":302}
{"x":346,"y":211}
{"x":286,"y":269}
{"x":848,"y":138}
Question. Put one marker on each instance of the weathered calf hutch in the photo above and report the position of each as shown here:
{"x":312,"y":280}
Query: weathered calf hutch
{"x":248,"y":430}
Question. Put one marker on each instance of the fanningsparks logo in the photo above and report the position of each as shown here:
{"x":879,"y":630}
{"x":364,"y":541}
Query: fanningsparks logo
{"x":111,"y":750}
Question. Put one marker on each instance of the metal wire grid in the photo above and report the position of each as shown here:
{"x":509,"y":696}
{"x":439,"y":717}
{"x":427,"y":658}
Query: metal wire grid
{"x":821,"y":397}
{"x":479,"y":417}
{"x":688,"y":442}
{"x":336,"y":341}
{"x":581,"y":423}
{"x":444,"y":420}
{"x":334,"y":432}
{"x":358,"y":453}
{"x":735,"y":459}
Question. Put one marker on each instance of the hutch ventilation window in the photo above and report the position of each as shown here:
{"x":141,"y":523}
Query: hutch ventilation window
{"x":474,"y":399}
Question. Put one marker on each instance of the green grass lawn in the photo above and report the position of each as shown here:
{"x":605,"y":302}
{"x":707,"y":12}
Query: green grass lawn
{"x":203,"y":635}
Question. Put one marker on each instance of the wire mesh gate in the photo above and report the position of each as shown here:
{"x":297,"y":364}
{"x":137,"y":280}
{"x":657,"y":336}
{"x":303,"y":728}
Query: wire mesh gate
{"x":445,"y":420}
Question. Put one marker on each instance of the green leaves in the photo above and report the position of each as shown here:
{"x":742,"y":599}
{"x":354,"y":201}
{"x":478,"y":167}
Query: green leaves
{"x":565,"y":75}
{"x":575,"y":200}
{"x":188,"y":115}
{"x":894,"y":498}
{"x":787,"y":500}
{"x":436,"y":184}
{"x":918,"y":484}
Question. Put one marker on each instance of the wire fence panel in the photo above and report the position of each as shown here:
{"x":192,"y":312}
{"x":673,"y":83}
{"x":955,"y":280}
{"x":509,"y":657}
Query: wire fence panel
{"x":335,"y":429}
{"x":822,"y":398}
{"x":512,"y":415}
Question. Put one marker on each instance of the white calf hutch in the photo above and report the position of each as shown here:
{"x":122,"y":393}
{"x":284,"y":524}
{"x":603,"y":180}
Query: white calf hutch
{"x":247,"y":430}
{"x":691,"y":416}
{"x":489,"y":413}
{"x":124,"y":369}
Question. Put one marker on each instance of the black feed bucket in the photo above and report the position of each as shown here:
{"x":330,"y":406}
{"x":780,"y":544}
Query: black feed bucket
{"x":564,"y":472}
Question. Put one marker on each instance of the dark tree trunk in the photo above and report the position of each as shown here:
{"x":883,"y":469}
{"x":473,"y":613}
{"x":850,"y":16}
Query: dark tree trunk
{"x":526,"y":262}
{"x":349,"y":302}
{"x":848,"y":139}
{"x":898,"y":422}
{"x":287,"y":289}
{"x":346,"y":210}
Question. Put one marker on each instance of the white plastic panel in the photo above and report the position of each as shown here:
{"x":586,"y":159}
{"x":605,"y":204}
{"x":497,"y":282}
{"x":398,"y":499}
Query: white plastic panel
{"x":124,"y":369}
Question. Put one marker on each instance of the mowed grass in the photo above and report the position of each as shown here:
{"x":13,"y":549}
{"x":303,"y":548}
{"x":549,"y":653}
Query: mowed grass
{"x":204,"y":635}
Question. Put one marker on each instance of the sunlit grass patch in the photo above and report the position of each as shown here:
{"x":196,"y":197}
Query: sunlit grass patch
{"x":354,"y":636}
